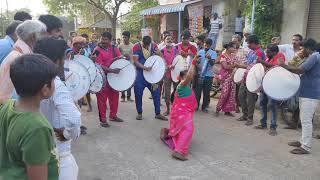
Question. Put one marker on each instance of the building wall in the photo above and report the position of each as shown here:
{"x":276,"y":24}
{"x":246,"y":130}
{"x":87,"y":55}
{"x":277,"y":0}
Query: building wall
{"x":294,"y":19}
{"x":226,"y":10}
{"x":164,"y":2}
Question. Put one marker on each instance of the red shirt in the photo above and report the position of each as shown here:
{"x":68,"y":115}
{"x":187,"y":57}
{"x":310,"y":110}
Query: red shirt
{"x":188,"y":48}
{"x":106,"y":55}
{"x":275,"y":59}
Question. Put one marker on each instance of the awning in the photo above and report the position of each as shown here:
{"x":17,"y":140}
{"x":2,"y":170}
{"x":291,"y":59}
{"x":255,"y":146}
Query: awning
{"x":164,"y":9}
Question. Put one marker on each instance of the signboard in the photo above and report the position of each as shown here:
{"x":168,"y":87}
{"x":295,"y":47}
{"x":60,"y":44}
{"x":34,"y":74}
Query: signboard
{"x":195,"y":18}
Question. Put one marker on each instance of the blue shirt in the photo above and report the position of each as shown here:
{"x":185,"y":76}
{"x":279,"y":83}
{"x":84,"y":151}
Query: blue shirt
{"x":254,"y":54}
{"x":206,"y":69}
{"x":310,"y":80}
{"x":93,"y":45}
{"x":87,"y":52}
{"x":5,"y":47}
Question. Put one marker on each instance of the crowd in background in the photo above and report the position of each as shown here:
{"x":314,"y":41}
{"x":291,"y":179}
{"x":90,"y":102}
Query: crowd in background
{"x":31,"y":83}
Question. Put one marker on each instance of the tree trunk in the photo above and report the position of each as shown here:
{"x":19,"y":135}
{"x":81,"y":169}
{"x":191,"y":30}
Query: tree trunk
{"x":114,"y":27}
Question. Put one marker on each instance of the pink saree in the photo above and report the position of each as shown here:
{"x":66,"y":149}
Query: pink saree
{"x":181,"y":123}
{"x":227,"y":100}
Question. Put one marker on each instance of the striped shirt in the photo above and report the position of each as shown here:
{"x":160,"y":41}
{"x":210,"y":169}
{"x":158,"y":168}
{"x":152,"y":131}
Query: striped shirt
{"x":215,"y":25}
{"x":61,"y":112}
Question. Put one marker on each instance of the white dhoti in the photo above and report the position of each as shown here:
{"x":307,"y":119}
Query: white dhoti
{"x":68,"y":167}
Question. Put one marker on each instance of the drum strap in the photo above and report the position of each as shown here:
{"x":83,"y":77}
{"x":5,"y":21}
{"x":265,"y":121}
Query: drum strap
{"x":151,"y":50}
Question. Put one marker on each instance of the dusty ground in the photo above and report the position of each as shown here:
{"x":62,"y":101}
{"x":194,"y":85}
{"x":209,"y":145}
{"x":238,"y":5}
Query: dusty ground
{"x":222,"y":148}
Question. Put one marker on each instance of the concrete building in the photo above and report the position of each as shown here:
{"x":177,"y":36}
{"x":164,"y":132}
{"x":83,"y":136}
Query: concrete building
{"x":175,"y":16}
{"x":301,"y":16}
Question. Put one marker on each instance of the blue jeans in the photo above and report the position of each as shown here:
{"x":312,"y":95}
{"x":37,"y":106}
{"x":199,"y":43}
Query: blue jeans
{"x":264,"y":99}
{"x":139,"y":87}
{"x":214,"y":37}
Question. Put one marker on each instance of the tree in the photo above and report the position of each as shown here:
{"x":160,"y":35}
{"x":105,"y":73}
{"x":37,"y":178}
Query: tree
{"x":132,"y":22}
{"x":268,"y":18}
{"x":110,"y":8}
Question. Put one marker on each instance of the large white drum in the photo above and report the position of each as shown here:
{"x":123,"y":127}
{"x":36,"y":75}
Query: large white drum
{"x":254,"y":78}
{"x":99,"y":82}
{"x":88,"y":64}
{"x":280,"y":84}
{"x":239,"y":75}
{"x":77,"y":79}
{"x":158,"y":69}
{"x":125,"y":79}
{"x":179,"y":64}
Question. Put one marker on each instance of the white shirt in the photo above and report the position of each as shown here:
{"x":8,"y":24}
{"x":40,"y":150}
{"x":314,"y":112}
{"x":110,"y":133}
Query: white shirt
{"x":239,"y":24}
{"x":61,"y":112}
{"x":215,"y":25}
{"x":288,"y":51}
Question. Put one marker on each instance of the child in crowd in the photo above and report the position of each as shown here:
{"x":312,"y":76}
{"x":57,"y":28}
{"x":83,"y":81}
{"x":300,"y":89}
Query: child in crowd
{"x":27,"y":149}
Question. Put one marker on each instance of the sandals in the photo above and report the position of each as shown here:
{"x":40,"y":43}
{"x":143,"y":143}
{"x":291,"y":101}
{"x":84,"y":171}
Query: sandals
{"x":299,"y":151}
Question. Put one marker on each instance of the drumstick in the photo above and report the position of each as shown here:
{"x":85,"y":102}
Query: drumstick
{"x":154,"y":63}
{"x":176,"y":63}
{"x":69,"y":76}
{"x":125,"y":66}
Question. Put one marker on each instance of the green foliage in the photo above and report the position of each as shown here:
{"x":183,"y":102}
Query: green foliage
{"x":268,"y":18}
{"x":67,"y":7}
{"x":132,"y":22}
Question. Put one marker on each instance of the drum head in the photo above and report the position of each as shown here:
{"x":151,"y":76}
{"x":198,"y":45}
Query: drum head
{"x":156,"y":74}
{"x":100,"y":80}
{"x":77,"y":79}
{"x":125,"y":79}
{"x":280,"y":84}
{"x":238,"y":75}
{"x":88,"y":63}
{"x":180,"y":65}
{"x":254,"y":78}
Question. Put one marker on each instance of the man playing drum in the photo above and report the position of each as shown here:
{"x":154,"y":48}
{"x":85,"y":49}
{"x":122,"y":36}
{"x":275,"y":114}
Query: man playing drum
{"x":273,"y":57}
{"x":169,"y":53}
{"x":107,"y":53}
{"x":141,"y":52}
{"x":247,"y":98}
{"x":309,"y":94}
{"x":126,"y":50}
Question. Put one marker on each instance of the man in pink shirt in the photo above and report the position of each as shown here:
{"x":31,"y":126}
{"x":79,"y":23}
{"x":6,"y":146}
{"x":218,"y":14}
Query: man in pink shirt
{"x":106,"y":54}
{"x":28,"y":33}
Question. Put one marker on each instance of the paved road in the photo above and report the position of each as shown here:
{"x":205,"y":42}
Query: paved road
{"x":222,"y":148}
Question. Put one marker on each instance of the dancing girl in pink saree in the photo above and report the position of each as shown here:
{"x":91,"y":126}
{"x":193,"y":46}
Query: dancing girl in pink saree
{"x":179,"y":136}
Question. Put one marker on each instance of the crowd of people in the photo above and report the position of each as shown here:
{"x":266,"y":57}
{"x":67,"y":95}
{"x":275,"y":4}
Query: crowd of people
{"x":37,"y":111}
